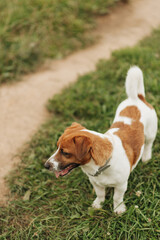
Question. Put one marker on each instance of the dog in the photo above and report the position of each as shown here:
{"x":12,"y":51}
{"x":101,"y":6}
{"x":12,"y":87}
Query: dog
{"x":109,"y":158}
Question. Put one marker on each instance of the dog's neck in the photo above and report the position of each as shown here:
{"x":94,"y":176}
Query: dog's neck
{"x":91,"y":169}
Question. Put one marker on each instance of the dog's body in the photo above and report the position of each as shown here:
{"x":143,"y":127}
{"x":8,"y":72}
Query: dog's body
{"x":109,"y":158}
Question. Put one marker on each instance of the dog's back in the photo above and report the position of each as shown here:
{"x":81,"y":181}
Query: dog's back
{"x":135,"y":111}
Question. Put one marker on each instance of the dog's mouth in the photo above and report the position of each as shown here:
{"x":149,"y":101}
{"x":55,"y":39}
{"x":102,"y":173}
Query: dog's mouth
{"x":66,"y":170}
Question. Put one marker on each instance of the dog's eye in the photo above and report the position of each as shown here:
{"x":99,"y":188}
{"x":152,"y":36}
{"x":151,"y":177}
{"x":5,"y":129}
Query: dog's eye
{"x":65,"y":154}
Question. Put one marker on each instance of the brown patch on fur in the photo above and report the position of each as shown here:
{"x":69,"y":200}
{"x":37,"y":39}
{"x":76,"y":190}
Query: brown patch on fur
{"x":131,"y":112}
{"x":142,"y":98}
{"x":81,"y":146}
{"x":132,"y":137}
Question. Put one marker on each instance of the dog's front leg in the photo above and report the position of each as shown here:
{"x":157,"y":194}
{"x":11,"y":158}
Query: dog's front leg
{"x":100,"y":192}
{"x":119,"y":191}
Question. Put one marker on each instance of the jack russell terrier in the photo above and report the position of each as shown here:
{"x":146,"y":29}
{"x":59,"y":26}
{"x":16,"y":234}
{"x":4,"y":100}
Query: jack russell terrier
{"x":109,"y":158}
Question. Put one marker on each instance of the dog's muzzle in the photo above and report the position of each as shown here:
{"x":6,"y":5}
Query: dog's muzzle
{"x":48,"y":165}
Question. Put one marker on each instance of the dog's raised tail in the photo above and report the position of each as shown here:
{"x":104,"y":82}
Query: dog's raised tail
{"x":134,"y":82}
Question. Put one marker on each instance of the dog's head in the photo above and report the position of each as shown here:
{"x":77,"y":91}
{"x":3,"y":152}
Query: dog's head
{"x":76,"y":147}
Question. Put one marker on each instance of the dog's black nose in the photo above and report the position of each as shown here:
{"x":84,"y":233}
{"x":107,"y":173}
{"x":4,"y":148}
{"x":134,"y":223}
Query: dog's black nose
{"x":47,"y":165}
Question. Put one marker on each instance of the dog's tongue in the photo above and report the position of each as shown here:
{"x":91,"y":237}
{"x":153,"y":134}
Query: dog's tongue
{"x":57,"y":174}
{"x":63,"y":172}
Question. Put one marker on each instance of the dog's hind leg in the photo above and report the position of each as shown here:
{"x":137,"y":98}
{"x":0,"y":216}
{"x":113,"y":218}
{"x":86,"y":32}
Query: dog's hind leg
{"x":150,"y":134}
{"x":147,"y":153}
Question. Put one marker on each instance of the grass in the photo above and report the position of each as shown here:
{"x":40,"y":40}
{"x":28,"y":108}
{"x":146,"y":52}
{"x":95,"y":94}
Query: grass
{"x":50,"y":208}
{"x":31,"y":31}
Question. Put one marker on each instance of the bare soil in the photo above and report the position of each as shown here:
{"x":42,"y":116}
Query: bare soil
{"x":22,"y":104}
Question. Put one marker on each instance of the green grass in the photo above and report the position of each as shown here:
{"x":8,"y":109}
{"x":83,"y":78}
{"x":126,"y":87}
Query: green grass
{"x":31,"y":31}
{"x":50,"y":208}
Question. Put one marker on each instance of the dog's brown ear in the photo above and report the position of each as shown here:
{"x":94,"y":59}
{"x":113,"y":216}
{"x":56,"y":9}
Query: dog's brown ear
{"x":75,"y":127}
{"x":82,"y":146}
{"x":101,"y":150}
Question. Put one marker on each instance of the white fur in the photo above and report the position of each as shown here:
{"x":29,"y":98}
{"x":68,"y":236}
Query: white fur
{"x":52,"y":160}
{"x":125,"y":120}
{"x":93,"y":132}
{"x":134,"y":82}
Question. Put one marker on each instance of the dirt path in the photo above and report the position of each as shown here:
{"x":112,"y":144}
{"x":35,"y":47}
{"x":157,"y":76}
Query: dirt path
{"x":22,"y":105}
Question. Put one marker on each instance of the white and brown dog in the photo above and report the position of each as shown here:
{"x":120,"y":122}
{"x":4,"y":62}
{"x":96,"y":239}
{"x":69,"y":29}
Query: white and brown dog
{"x":109,"y":158}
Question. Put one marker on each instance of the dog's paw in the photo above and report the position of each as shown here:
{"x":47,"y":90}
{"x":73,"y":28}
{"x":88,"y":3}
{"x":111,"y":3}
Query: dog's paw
{"x":145,"y":159}
{"x":96,"y":204}
{"x":147,"y":155}
{"x":120,"y":209}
